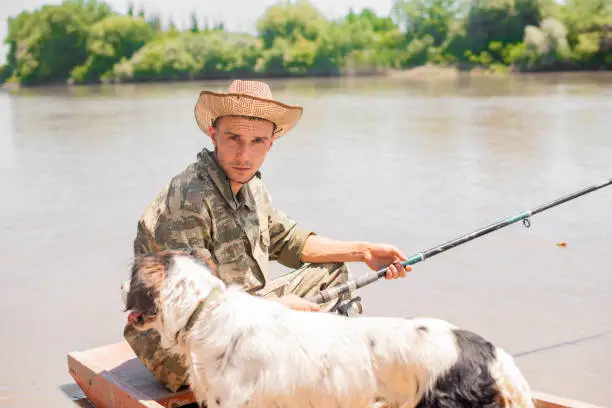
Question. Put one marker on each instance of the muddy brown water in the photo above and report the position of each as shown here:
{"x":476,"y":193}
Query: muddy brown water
{"x":405,"y":161}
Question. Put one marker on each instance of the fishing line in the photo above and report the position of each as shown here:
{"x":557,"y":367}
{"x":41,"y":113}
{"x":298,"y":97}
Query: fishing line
{"x":333,"y":292}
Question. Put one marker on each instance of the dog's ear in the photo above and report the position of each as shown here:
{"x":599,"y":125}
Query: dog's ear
{"x":187,"y":283}
{"x":141,"y":292}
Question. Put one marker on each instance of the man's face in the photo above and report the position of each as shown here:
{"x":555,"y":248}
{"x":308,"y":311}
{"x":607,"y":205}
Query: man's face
{"x":241,"y":145}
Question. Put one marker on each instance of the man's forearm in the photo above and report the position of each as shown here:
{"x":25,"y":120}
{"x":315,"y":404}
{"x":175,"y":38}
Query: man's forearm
{"x":320,"y":250}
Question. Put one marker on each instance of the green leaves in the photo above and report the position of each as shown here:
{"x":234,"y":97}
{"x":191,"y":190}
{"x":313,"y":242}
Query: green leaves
{"x":45,"y":45}
{"x":109,"y":40}
{"x":290,"y":20}
{"x":427,"y":18}
{"x":190,"y":56}
{"x":84,"y":41}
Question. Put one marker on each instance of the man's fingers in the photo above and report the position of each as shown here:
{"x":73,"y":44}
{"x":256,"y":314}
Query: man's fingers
{"x":399,"y":254}
{"x":310,"y":306}
{"x":401,"y":270}
{"x":389,"y":274}
{"x":396,"y":270}
{"x":392,"y":272}
{"x":307,"y":307}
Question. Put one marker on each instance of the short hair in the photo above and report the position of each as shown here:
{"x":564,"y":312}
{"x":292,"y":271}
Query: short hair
{"x":214,"y":122}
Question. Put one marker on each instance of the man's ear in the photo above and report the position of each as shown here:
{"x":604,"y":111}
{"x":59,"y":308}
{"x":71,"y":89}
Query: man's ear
{"x":213,"y":134}
{"x":272,"y":140}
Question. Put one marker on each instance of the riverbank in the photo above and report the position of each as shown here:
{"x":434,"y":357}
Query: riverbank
{"x":427,"y":72}
{"x":94,"y":44}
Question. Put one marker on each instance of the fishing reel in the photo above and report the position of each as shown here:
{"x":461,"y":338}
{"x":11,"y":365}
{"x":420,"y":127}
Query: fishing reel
{"x":345,"y":305}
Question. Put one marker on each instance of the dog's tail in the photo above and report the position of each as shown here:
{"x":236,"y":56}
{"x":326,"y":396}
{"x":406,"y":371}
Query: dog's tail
{"x":515,"y":391}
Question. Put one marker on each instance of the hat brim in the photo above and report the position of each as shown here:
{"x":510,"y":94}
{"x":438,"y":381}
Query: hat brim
{"x":211,"y":105}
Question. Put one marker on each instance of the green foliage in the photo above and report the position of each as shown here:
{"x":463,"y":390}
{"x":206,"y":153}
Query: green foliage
{"x":47,"y":44}
{"x":589,"y":24}
{"x":364,"y":42}
{"x":188,"y":56}
{"x":5,"y":73}
{"x":433,"y":18}
{"x":195,"y":28}
{"x":501,"y":21}
{"x":587,"y":45}
{"x":417,"y":51}
{"x":110,"y":40}
{"x":291,"y":21}
{"x":297,"y":40}
{"x":85,"y":41}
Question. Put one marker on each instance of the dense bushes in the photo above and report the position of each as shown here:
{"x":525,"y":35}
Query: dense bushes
{"x":85,"y":41}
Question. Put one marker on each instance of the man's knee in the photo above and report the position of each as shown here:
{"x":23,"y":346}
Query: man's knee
{"x":344,"y":274}
{"x":167,"y":368}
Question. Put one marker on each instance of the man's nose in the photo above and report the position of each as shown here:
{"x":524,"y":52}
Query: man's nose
{"x":242,"y":151}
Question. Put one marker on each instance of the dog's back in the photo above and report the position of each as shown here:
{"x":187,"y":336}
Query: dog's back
{"x":514,"y":389}
{"x":430,"y":363}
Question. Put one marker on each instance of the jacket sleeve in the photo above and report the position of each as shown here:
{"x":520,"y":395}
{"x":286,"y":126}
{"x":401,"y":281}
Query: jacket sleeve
{"x":287,"y":239}
{"x":170,"y":224}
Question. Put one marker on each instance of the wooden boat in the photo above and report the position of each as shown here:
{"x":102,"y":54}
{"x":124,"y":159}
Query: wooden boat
{"x":113,"y":377}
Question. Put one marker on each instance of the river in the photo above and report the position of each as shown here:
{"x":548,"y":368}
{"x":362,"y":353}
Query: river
{"x":408,"y":161}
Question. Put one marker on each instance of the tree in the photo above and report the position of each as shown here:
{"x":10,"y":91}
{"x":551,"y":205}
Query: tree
{"x":46,"y":44}
{"x":501,"y":21}
{"x":155,"y":23}
{"x":109,"y":41}
{"x":589,"y":24}
{"x":421,"y":18}
{"x":290,"y":21}
{"x":194,"y":23}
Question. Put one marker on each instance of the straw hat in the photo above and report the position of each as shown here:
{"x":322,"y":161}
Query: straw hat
{"x":246,"y":98}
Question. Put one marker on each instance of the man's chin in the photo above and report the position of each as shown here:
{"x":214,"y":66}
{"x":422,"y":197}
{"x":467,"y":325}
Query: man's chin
{"x":243,"y":179}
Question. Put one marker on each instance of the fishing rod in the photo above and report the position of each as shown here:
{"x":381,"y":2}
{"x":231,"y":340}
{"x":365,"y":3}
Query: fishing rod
{"x":333,"y":292}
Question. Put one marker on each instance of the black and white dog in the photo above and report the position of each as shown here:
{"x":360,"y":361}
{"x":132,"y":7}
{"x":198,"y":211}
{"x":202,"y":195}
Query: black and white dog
{"x":245,"y":351}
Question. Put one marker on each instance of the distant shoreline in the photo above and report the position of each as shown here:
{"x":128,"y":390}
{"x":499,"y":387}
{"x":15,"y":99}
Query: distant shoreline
{"x":423,"y":72}
{"x":77,"y":43}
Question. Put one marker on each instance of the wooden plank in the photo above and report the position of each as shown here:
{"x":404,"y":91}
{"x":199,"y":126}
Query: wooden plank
{"x":112,"y":377}
{"x":544,"y":400}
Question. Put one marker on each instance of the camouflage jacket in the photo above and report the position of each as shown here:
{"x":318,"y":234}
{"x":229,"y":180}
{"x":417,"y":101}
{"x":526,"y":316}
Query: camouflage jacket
{"x":242,"y":233}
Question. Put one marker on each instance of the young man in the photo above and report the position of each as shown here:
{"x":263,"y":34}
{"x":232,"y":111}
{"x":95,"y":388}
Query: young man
{"x":220,"y":205}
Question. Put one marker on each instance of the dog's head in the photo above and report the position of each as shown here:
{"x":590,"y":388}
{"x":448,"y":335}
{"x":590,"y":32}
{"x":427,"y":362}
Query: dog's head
{"x":166,"y":288}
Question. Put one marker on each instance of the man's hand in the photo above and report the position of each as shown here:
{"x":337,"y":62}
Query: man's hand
{"x":297,"y":303}
{"x":377,"y":256}
{"x":319,"y":250}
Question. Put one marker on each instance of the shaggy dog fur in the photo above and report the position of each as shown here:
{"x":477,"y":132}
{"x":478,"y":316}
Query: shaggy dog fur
{"x":245,"y":351}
